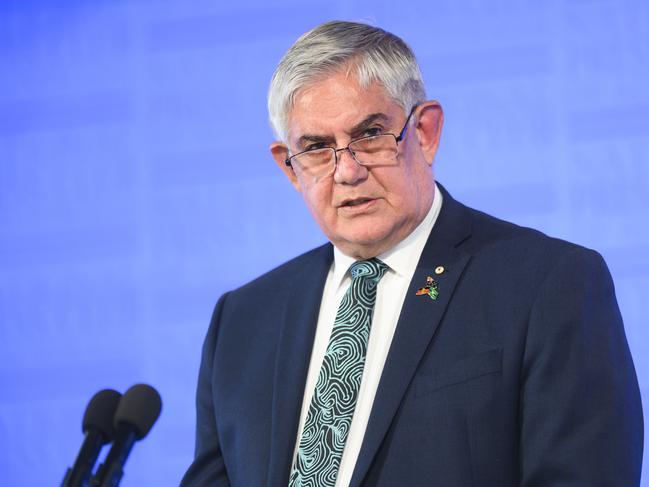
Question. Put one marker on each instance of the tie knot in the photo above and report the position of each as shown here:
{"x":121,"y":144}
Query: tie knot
{"x":368,"y":269}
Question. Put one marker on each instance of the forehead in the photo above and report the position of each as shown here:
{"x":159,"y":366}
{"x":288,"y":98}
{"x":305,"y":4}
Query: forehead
{"x":336,"y":104}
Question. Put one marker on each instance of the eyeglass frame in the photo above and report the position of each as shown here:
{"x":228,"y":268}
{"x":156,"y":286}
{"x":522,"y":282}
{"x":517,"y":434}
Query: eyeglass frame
{"x":397,"y":139}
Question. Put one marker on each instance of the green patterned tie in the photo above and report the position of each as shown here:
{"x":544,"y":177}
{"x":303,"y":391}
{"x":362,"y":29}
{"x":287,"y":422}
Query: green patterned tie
{"x":334,"y":399}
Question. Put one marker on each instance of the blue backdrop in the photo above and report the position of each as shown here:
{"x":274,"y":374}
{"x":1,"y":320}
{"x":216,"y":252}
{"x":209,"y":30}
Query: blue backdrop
{"x":136,"y":183}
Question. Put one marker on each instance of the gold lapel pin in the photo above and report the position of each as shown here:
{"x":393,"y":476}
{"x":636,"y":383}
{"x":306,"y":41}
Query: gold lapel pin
{"x":439,"y":269}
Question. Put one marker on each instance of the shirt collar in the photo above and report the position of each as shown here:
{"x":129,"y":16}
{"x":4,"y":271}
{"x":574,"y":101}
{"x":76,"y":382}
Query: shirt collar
{"x":402,"y":258}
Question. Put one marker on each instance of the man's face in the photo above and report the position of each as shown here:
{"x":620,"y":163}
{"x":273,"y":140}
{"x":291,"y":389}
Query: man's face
{"x":364,"y":211}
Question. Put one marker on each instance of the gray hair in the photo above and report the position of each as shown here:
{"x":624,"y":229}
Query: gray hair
{"x":372,"y":54}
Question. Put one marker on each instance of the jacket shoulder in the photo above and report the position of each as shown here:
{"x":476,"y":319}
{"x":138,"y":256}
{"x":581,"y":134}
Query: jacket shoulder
{"x":286,"y":273}
{"x":495,"y":235}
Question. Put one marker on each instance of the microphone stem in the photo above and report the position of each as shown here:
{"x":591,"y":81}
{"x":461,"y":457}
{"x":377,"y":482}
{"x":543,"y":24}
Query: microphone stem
{"x":110,"y":472}
{"x":79,"y":474}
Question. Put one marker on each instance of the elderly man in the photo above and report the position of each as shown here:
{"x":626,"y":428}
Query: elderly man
{"x":427,"y":343}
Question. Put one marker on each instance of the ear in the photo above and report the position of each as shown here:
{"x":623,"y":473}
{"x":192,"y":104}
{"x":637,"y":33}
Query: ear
{"x":430,"y":119}
{"x":280,"y":153}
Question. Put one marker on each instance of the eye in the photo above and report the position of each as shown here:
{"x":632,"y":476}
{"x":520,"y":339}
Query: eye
{"x":372,"y":131}
{"x":312,"y":147}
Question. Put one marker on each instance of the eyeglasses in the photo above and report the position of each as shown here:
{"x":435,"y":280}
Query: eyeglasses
{"x":370,"y":151}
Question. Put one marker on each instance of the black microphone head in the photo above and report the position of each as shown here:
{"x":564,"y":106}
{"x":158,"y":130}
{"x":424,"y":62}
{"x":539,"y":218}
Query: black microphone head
{"x":100,"y":413}
{"x":140,"y":407}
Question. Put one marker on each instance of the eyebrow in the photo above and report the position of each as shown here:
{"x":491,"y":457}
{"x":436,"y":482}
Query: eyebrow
{"x":356,"y":129}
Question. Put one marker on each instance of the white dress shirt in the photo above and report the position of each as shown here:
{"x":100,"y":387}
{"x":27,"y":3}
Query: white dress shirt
{"x":391,"y":292}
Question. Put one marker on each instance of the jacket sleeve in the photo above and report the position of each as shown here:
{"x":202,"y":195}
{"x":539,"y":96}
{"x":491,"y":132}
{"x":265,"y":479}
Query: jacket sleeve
{"x":208,"y":467}
{"x":581,"y":417}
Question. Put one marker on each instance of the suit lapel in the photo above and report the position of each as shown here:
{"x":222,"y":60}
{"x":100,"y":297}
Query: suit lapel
{"x":419,"y":319}
{"x":292,"y":361}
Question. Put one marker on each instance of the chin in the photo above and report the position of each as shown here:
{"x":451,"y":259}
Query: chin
{"x":363,"y":246}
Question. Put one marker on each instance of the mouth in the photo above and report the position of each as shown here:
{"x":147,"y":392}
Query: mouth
{"x":355,"y":202}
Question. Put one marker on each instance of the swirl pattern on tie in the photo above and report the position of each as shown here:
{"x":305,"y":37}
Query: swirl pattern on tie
{"x":334,"y":398}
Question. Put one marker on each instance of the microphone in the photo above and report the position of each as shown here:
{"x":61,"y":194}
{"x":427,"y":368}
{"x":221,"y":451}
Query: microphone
{"x":138,"y":409}
{"x":99,"y":430}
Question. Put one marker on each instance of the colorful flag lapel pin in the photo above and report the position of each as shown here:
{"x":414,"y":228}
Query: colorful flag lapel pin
{"x":430,"y":289}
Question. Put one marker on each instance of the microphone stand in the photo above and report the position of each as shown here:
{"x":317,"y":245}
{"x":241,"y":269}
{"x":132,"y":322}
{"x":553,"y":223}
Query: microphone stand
{"x":79,"y":474}
{"x":111,"y":471}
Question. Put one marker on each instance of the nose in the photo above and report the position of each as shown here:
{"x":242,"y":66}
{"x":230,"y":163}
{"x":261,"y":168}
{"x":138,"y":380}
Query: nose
{"x":348,"y":170}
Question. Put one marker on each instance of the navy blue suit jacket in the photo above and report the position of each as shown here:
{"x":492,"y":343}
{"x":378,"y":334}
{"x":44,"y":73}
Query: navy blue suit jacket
{"x":519,"y":374}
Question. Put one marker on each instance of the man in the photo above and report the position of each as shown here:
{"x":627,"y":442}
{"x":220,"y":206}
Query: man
{"x":427,"y":343}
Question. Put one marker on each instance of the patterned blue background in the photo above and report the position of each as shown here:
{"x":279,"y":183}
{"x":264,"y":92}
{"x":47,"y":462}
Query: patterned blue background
{"x":136,"y":184}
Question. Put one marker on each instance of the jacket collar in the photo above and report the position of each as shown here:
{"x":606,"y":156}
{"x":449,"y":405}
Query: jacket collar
{"x":418,"y":321}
